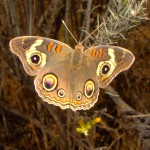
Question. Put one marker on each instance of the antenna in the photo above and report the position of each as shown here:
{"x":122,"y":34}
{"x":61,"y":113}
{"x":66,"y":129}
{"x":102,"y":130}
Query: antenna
{"x":92,"y":32}
{"x":86,"y":37}
{"x":69,"y":31}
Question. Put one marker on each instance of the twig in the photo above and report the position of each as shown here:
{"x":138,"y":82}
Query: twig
{"x":86,"y":21}
{"x":117,"y":139}
{"x":68,"y":122}
{"x":55,"y":10}
{"x":138,"y":116}
{"x":2,"y":80}
{"x":5,"y":123}
{"x":88,"y":18}
{"x":13,"y":16}
{"x":67,"y":20}
{"x":124,"y":108}
{"x":56,"y":118}
{"x":29,"y":14}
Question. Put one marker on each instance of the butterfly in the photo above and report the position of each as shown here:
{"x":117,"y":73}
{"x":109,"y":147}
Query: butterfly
{"x":66,"y":77}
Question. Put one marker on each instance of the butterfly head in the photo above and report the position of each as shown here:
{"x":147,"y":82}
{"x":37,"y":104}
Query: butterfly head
{"x":79,"y":47}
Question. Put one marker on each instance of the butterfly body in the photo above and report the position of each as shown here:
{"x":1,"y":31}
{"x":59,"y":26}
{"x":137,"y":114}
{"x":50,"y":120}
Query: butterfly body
{"x":69,"y":78}
{"x":77,"y":55}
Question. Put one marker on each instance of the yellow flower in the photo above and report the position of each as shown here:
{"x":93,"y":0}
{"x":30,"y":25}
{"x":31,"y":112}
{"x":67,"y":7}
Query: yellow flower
{"x":85,"y":127}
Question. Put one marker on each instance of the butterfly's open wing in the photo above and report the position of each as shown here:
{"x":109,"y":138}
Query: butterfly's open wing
{"x":108,"y":61}
{"x":36,"y":52}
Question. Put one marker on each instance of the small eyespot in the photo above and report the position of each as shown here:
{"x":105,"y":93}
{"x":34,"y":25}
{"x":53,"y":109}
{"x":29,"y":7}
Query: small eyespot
{"x":119,"y":59}
{"x":79,"y":96}
{"x":35,"y":59}
{"x":50,"y":82}
{"x":105,"y":68}
{"x":25,"y":46}
{"x":61,"y":93}
{"x":89,"y":88}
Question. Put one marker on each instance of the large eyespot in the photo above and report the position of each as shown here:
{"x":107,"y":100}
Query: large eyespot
{"x":105,"y":68}
{"x":89,"y":88}
{"x":35,"y":58}
{"x":50,"y":82}
{"x":79,"y":96}
{"x":61,"y":93}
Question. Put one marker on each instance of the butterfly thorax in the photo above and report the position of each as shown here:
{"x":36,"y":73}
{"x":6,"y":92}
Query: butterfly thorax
{"x":77,"y":54}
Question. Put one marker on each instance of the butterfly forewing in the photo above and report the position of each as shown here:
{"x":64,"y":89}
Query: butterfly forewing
{"x":108,"y":61}
{"x":37,"y":52}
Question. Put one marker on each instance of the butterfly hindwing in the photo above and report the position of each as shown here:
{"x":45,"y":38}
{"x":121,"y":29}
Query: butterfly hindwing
{"x":68,"y":85}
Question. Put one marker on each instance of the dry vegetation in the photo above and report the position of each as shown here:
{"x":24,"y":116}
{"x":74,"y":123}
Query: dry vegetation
{"x":26,"y":122}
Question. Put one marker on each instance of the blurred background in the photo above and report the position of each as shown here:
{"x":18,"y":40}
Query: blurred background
{"x":119,"y":122}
